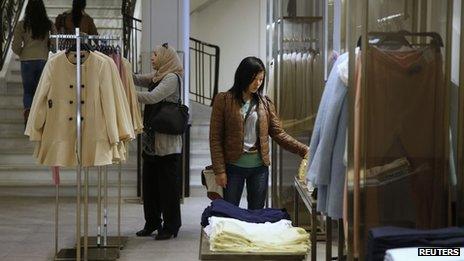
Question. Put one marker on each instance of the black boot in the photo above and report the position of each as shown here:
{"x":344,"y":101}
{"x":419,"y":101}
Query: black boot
{"x":146,"y":232}
{"x":164,"y":234}
{"x":26,"y":116}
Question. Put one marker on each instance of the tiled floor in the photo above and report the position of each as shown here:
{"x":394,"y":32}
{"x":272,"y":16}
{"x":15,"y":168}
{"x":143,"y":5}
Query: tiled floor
{"x":27,"y":230}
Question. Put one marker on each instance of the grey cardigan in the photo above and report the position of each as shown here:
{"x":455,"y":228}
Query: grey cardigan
{"x":167,"y":89}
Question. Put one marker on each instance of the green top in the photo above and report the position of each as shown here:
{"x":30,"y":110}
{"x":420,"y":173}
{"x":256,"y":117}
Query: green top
{"x":249,"y":160}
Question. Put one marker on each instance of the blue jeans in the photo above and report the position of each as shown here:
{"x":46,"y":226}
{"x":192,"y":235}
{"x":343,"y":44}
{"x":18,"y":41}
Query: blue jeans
{"x":30,"y":72}
{"x":256,"y":182}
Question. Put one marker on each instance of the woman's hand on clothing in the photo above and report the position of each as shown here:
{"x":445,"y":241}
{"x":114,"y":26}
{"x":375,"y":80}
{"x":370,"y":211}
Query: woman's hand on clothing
{"x":306,"y":156}
{"x":221,"y":179}
{"x":143,"y":80}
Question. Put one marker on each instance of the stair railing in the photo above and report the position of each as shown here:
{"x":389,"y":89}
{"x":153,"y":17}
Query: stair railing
{"x":204,"y":71}
{"x":10,"y":10}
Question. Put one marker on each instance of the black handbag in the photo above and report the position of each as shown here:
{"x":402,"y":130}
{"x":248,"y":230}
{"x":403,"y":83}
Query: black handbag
{"x":168,"y":117}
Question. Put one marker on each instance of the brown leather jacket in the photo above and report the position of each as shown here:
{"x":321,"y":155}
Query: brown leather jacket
{"x":226,"y":132}
{"x":64,"y":24}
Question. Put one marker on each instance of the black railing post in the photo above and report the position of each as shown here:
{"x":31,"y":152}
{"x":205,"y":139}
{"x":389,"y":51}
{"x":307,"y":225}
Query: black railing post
{"x":203,"y":54}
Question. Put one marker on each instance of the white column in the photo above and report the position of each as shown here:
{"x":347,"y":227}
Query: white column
{"x":166,"y":21}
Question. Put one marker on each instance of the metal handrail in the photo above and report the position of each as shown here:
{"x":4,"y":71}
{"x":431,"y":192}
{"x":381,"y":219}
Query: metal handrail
{"x":10,"y":10}
{"x":202,"y":72}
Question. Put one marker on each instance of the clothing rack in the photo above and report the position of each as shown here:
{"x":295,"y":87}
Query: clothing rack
{"x":81,"y":252}
{"x":395,"y":19}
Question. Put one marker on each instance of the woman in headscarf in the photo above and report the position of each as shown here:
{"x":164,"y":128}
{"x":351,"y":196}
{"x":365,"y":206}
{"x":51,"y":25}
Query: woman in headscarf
{"x":161,"y":156}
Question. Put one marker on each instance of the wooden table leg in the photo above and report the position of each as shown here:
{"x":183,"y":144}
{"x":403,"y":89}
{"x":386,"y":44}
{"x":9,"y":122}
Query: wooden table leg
{"x":328,"y":238}
{"x":296,"y":206}
{"x":313,"y":234}
{"x":341,"y":239}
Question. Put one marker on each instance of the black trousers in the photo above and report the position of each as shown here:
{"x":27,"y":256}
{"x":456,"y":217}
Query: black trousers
{"x":161,"y":200}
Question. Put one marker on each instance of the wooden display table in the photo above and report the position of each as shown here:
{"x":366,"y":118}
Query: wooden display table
{"x":301,"y":192}
{"x":207,"y":254}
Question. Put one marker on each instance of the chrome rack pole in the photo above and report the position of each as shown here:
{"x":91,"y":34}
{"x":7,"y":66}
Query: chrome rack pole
{"x":79,"y":145}
{"x":105,"y":211}
{"x":99,"y":228}
{"x":119,"y":201}
{"x":86,"y":212}
{"x":121,"y":44}
{"x":57,"y":209}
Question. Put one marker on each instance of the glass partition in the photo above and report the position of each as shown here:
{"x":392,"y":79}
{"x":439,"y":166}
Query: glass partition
{"x":400,"y":116}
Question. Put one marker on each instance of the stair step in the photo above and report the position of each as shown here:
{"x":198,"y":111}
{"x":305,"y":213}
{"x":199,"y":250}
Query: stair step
{"x":12,"y":102}
{"x":66,"y":191}
{"x":12,"y":114}
{"x":16,"y":72}
{"x":55,"y":10}
{"x":13,"y":89}
{"x":96,"y":18}
{"x":15,"y":78}
{"x":43,"y":176}
{"x":68,"y":3}
{"x":88,"y":8}
{"x":11,"y":130}
{"x":18,"y":145}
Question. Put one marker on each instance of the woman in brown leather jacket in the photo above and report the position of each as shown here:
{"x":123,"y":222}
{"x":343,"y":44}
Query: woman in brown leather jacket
{"x":241,"y":122}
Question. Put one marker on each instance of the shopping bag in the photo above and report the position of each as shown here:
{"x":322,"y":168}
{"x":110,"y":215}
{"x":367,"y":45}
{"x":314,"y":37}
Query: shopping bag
{"x":208,"y":179}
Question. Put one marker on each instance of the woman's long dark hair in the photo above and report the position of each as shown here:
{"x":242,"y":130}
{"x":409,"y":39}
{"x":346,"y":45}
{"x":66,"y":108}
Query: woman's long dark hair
{"x":36,"y":19}
{"x":77,"y":7}
{"x":244,"y":76}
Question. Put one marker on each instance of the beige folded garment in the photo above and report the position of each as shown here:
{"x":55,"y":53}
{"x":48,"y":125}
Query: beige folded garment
{"x":232,"y":235}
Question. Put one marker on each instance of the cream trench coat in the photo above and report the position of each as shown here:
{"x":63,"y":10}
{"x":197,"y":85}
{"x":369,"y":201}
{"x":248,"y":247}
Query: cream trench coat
{"x":106,"y":120}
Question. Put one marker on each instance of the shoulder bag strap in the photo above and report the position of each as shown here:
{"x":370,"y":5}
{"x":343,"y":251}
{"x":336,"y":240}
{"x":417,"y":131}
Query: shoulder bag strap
{"x":179,"y":101}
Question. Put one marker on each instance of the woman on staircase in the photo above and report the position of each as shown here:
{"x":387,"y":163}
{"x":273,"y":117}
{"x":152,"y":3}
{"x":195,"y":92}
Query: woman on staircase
{"x":31,"y":43}
{"x":67,"y":22}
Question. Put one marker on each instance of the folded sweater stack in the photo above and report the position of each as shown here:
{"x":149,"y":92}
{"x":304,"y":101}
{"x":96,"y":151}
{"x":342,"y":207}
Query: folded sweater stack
{"x":228,"y":234}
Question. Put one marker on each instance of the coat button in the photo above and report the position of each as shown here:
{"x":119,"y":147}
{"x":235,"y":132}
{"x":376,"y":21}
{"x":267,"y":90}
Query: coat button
{"x":70,"y":118}
{"x":71,"y":102}
{"x":82,"y":102}
{"x":82,"y":118}
{"x":70,"y":86}
{"x":82,"y":86}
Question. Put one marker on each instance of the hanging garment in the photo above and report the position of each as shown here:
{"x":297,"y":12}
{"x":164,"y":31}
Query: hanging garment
{"x":285,"y":92}
{"x":270,"y":79}
{"x":232,"y":235}
{"x":309,"y":85}
{"x":326,"y":168}
{"x":103,"y":108}
{"x":122,"y":152}
{"x":404,"y":101}
{"x":299,"y":87}
{"x":131,"y":94}
{"x":318,"y":81}
{"x":293,"y":86}
{"x":304,"y":92}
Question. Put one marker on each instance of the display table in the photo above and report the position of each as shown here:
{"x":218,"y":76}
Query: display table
{"x":207,"y":254}
{"x":301,"y":192}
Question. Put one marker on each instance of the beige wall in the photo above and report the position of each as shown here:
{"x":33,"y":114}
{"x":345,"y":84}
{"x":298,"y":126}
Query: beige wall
{"x":238,"y":27}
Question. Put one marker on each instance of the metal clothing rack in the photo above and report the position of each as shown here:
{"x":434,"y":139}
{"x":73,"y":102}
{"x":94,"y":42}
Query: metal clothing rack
{"x":109,"y":250}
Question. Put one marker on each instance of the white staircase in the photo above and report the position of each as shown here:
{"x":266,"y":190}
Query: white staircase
{"x":18,"y":171}
{"x":199,"y":141}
